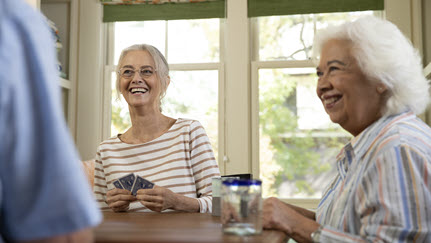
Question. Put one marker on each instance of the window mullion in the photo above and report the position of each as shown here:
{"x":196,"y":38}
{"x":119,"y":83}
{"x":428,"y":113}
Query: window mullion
{"x":166,"y":40}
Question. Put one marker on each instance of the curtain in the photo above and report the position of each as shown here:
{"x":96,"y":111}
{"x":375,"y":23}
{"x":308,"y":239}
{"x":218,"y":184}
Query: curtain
{"x":138,"y":10}
{"x":258,"y":8}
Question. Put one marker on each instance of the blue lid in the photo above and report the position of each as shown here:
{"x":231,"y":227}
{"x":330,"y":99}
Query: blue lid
{"x":241,"y":182}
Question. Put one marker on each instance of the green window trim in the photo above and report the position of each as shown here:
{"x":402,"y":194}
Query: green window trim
{"x":166,"y":11}
{"x":258,"y":8}
{"x":216,"y":9}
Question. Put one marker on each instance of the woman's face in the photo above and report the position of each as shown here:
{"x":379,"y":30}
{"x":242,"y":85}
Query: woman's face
{"x":140,"y":90}
{"x":349,"y":98}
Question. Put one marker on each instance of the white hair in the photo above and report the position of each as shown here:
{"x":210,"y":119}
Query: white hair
{"x":161,"y":66}
{"x":384,"y":55}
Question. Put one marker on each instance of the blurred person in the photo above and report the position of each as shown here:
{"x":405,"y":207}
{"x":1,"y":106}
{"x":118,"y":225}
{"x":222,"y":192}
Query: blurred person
{"x":370,"y":82}
{"x":44,"y":193}
{"x":174,"y":154}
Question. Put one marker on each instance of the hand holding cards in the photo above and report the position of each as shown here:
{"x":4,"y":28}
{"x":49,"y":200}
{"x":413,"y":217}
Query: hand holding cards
{"x":133,"y":183}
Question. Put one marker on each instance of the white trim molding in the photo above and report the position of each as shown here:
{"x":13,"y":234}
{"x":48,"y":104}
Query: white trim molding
{"x":427,"y":70}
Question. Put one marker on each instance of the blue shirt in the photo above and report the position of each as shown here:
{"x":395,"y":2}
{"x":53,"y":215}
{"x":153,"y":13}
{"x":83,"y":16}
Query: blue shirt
{"x":43,"y":189}
{"x":382,"y":192}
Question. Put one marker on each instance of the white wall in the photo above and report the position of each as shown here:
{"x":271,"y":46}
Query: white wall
{"x":90,"y":85}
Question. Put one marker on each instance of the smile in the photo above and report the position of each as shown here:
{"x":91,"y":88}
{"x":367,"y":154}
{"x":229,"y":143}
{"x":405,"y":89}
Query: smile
{"x":331,"y":101}
{"x":138,"y":90}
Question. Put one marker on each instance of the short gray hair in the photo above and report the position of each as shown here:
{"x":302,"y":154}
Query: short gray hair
{"x":385,"y":55}
{"x":161,"y":65}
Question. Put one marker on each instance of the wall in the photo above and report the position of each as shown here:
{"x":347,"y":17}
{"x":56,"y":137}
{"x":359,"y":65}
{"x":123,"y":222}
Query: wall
{"x":426,"y":30}
{"x":90,"y":85}
{"x":426,"y":34}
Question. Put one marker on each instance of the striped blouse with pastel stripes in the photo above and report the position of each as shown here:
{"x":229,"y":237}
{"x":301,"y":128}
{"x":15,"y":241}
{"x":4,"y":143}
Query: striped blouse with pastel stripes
{"x":382,"y":192}
{"x":180,"y":160}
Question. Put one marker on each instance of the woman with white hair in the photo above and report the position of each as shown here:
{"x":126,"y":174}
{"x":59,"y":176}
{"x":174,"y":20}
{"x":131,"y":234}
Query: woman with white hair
{"x":370,"y":81}
{"x":174,"y":154}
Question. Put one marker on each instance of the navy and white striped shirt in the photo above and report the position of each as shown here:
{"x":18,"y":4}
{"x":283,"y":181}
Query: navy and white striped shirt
{"x":383,"y":188}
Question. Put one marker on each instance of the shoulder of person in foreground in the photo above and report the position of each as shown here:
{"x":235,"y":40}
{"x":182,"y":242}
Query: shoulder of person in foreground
{"x":40,"y":170}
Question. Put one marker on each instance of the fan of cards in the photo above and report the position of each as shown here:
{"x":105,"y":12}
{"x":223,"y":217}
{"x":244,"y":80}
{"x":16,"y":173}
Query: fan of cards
{"x":133,"y":183}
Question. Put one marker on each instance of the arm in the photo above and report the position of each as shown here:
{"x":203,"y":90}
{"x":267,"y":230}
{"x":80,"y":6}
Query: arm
{"x":116,"y":199}
{"x":292,"y":220}
{"x":160,"y":198}
{"x":47,"y":190}
{"x":100,"y":187}
{"x":204,"y":165}
{"x":304,"y":212}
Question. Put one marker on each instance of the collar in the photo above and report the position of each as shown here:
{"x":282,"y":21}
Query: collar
{"x":358,"y":146}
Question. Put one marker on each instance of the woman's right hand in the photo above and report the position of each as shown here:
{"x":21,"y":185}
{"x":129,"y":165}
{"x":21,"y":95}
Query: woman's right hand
{"x":119,"y":199}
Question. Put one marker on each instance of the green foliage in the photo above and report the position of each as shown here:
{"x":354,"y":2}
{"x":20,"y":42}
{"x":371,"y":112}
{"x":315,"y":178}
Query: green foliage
{"x":173,"y":106}
{"x":119,"y":121}
{"x":278,"y":120}
{"x":120,"y":118}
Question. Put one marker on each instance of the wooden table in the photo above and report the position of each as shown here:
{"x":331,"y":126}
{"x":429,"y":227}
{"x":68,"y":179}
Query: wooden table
{"x":171,"y":227}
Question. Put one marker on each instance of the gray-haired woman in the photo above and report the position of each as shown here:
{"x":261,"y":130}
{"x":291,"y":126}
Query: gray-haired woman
{"x":370,"y":81}
{"x":174,"y":154}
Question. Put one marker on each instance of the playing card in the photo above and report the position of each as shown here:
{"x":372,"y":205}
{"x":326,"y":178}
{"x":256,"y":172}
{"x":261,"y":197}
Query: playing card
{"x":117,"y":184}
{"x":127,"y":181}
{"x":141,"y":183}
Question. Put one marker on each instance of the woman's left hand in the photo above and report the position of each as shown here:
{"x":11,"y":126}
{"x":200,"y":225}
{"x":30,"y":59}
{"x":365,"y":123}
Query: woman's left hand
{"x":157,"y":199}
{"x":281,"y":216}
{"x":277,"y":215}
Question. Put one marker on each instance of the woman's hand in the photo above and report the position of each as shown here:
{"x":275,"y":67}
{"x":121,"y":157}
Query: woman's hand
{"x":289,"y":219}
{"x":157,"y":199}
{"x":228,"y":213}
{"x":119,"y":199}
{"x":278,"y":215}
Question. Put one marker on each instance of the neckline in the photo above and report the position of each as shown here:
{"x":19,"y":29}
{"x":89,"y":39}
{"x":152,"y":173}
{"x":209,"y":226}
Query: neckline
{"x":155,"y":139}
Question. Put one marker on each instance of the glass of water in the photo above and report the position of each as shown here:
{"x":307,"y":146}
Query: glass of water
{"x":241,"y":206}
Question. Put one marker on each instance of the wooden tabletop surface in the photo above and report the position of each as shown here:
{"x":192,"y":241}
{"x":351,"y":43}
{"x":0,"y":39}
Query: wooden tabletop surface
{"x":171,"y":227}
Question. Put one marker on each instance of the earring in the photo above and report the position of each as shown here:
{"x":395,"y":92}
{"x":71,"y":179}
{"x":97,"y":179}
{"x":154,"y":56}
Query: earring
{"x":381,"y":89}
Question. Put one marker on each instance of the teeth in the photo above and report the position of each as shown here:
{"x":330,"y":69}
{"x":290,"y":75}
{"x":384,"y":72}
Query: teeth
{"x":330,"y":100}
{"x":134,"y":90}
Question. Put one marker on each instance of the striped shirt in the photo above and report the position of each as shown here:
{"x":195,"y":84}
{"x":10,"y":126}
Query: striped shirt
{"x":383,"y":188}
{"x":180,"y":160}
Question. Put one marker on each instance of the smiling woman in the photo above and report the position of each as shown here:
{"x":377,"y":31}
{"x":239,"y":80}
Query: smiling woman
{"x":173,"y":154}
{"x":381,"y":191}
{"x":344,"y":88}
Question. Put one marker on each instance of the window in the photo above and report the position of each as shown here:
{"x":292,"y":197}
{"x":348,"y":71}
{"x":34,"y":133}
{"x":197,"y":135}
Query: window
{"x":297,"y":141}
{"x":192,"y":49}
{"x":290,"y":138}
